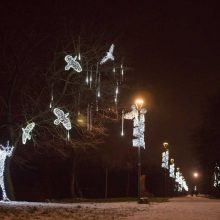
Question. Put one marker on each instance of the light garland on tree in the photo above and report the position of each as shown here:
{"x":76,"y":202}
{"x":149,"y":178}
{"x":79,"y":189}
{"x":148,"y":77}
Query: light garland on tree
{"x":5,"y":151}
{"x":109,"y":55}
{"x":72,"y":63}
{"x":26,"y":132}
{"x":63,"y":119}
{"x":139,"y":125}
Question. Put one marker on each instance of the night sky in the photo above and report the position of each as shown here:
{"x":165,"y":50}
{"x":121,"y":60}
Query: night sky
{"x":171,"y":48}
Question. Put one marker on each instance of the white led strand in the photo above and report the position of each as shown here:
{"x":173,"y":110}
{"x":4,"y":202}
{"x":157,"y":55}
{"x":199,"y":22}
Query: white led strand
{"x":108,"y":56}
{"x":26,"y":132}
{"x":72,"y":63}
{"x":122,"y":123}
{"x":5,"y":151}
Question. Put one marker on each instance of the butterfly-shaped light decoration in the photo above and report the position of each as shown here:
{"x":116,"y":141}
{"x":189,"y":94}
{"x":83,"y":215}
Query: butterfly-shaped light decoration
{"x":26,"y":132}
{"x":62,"y":118}
{"x":108,"y":56}
{"x":72,"y":63}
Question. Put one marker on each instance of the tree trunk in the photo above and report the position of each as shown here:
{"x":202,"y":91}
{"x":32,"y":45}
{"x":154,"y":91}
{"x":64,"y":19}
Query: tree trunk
{"x":106,"y":183}
{"x":8,"y":180}
{"x":128,"y":184}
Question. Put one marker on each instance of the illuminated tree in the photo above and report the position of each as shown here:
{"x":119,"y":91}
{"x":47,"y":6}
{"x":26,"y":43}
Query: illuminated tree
{"x":87,"y":91}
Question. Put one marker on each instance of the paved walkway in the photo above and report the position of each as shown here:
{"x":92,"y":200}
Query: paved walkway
{"x":184,"y":208}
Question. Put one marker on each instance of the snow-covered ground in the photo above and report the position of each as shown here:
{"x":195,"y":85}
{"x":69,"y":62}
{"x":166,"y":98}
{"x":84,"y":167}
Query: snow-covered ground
{"x":196,"y":208}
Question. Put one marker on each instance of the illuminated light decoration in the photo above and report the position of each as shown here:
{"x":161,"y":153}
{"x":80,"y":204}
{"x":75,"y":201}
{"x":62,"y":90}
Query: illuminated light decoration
{"x":113,"y":70}
{"x":177,"y":175}
{"x":165,"y":157}
{"x":79,"y":56}
{"x":122,"y":73}
{"x":216,"y":183}
{"x":72,"y":63}
{"x":5,"y":151}
{"x":109,"y":55}
{"x":116,"y":93}
{"x":62,"y":118}
{"x":90,"y":79}
{"x":89,"y":117}
{"x":172,"y":169}
{"x":139,"y":125}
{"x":180,"y":183}
{"x":26,"y":132}
{"x":51,"y":101}
{"x":184,"y":185}
{"x":122,"y":123}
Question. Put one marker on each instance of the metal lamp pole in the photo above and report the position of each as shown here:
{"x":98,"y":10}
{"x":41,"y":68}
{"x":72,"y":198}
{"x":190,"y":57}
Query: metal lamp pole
{"x":139,"y":104}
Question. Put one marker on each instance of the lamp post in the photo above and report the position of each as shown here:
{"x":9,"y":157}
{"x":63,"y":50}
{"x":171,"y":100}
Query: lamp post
{"x":137,"y":114}
{"x":195,"y":175}
{"x":165,"y":164}
{"x":139,"y":104}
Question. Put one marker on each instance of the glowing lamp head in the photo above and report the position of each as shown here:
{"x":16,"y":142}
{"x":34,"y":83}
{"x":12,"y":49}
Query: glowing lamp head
{"x":195,"y":174}
{"x":165,"y":144}
{"x":139,"y":103}
{"x":172,"y":161}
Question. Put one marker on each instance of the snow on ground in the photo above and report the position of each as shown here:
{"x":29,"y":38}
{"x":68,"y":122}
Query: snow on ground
{"x":189,"y":208}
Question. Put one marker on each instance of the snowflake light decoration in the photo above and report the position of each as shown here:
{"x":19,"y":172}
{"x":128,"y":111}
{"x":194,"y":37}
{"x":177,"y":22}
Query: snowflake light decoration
{"x":139,"y":125}
{"x":62,"y":118}
{"x":5,"y":151}
{"x":72,"y":63}
{"x":26,"y":132}
{"x":108,"y":56}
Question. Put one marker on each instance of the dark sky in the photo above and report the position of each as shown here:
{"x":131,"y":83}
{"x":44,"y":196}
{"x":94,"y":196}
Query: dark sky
{"x":173,"y":49}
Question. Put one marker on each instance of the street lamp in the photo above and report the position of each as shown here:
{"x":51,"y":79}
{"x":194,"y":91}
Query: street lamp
{"x":195,"y":175}
{"x":137,"y":114}
{"x":165,"y":163}
{"x":139,"y":103}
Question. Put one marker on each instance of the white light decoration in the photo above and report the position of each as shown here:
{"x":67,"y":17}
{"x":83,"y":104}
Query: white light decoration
{"x":62,"y":118}
{"x":5,"y":151}
{"x":109,"y":55}
{"x":116,"y":93}
{"x":216,"y":176}
{"x":139,"y":125}
{"x":72,"y":63}
{"x":122,"y":123}
{"x":122,"y":73}
{"x":165,"y":156}
{"x":26,"y":132}
{"x":177,"y":175}
{"x":180,"y":183}
{"x":172,"y":169}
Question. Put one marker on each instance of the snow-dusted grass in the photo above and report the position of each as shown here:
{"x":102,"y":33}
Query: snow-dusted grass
{"x":184,"y":208}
